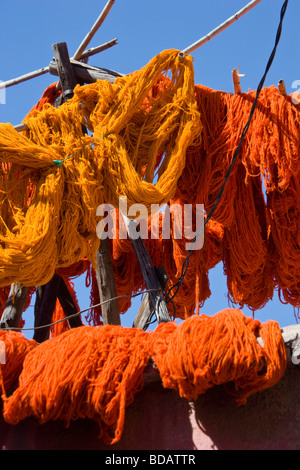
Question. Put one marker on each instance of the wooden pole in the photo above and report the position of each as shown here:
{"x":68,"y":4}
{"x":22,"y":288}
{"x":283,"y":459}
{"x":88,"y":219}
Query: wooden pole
{"x":44,"y":307}
{"x":65,"y":70}
{"x":97,"y":49}
{"x":221,"y":27}
{"x":47,"y":295}
{"x":93,"y":30}
{"x":236,"y":82}
{"x":68,"y":305}
{"x":44,"y":70}
{"x":24,"y":78}
{"x":145,"y":310}
{"x":282,"y":87}
{"x":14,"y":308}
{"x":105,"y":277}
{"x":149,"y":273}
{"x":107,"y":285}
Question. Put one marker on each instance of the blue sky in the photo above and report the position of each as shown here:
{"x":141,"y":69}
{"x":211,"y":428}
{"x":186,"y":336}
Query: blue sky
{"x":145,"y":28}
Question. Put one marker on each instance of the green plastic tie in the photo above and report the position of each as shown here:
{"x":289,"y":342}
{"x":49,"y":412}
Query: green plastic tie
{"x":59,"y":163}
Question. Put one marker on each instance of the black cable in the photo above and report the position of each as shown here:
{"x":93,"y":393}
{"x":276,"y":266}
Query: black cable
{"x":234,"y":158}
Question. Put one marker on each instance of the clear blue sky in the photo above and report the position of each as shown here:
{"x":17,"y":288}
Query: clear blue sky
{"x":145,"y":28}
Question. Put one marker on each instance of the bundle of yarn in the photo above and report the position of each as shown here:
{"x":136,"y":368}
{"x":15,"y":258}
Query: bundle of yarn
{"x":157,"y":139}
{"x":96,"y":372}
{"x":54,"y":176}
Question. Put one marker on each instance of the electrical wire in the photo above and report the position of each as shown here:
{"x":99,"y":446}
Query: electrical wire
{"x":82,"y":311}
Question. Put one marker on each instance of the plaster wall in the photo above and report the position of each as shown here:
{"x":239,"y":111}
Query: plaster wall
{"x":160,"y":420}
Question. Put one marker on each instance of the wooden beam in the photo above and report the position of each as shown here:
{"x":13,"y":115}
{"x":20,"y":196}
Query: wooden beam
{"x":44,"y":307}
{"x":282,"y":87}
{"x":107,"y":285}
{"x":149,"y":273}
{"x":236,"y":82}
{"x":65,"y":70}
{"x":44,"y":70}
{"x":68,"y":305}
{"x":14,"y":308}
{"x":101,"y":18}
{"x":146,"y":308}
{"x":47,"y":295}
{"x":86,"y":73}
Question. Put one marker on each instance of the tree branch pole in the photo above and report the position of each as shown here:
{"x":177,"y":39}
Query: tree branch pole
{"x":47,"y":295}
{"x":221,"y":27}
{"x":107,"y":285}
{"x":104,"y":273}
{"x":14,"y":308}
{"x":150,"y":276}
{"x":236,"y":82}
{"x":93,"y":30}
{"x":83,"y":73}
{"x":44,"y":70}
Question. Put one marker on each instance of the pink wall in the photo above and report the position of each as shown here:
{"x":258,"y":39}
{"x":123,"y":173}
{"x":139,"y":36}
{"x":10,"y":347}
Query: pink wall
{"x":160,"y":420}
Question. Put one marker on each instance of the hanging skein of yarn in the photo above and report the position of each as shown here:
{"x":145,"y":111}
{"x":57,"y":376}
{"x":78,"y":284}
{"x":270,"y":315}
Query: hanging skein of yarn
{"x":269,"y":155}
{"x":130,"y":128}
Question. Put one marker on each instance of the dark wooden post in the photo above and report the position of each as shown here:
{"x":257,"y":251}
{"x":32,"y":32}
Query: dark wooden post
{"x":107,"y":285}
{"x":142,"y":317}
{"x":104,"y":274}
{"x":65,"y":70}
{"x":150,"y":275}
{"x":15,"y":304}
{"x":44,"y":307}
{"x":68,"y":304}
{"x":47,"y":295}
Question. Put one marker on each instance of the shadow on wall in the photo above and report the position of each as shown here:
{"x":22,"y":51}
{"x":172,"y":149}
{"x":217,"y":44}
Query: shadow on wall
{"x":269,"y":421}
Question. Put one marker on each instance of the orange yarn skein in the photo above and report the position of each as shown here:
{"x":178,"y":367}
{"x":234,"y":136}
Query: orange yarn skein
{"x":95,"y":372}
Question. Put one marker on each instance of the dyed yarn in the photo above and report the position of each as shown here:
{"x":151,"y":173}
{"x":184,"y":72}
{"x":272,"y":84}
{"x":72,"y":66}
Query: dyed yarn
{"x":254,"y":230}
{"x":142,"y":125}
{"x":96,"y":372}
{"x":16,"y":349}
{"x":155,"y":121}
{"x":207,"y":351}
{"x":88,"y":372}
{"x":131,"y":126}
{"x":59,"y":314}
{"x":248,"y":263}
{"x":284,"y":217}
{"x":4,"y":293}
{"x":49,"y":96}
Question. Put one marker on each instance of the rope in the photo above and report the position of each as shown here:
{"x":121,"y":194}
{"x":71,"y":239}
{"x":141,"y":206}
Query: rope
{"x":81,"y":311}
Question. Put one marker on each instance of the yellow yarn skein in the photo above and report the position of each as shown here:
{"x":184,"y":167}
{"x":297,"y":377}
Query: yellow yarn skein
{"x":48,"y":212}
